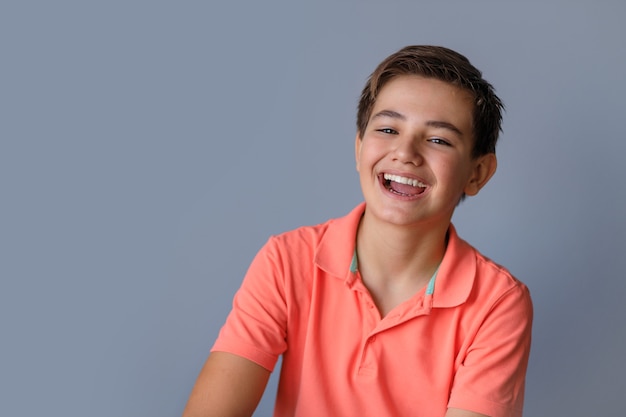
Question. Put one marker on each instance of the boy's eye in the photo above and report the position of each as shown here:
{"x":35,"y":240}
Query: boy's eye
{"x":387,"y":130}
{"x":439,"y":141}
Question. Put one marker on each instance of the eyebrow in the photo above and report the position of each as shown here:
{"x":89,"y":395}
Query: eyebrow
{"x":432,"y":123}
{"x":389,"y":113}
{"x":444,"y":125}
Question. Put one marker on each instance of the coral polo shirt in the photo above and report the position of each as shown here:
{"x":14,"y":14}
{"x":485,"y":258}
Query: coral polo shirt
{"x":461,"y":342}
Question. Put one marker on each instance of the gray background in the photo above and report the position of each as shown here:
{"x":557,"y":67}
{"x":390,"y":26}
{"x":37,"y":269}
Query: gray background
{"x":148,"y":149}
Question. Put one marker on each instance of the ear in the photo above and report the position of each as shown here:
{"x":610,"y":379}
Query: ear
{"x":484,"y":168}
{"x":357,"y":150}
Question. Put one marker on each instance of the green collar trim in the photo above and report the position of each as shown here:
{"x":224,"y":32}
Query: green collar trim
{"x":430,"y":289}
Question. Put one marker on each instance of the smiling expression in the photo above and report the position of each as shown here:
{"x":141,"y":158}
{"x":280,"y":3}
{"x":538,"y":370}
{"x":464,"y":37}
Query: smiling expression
{"x":415,"y":157}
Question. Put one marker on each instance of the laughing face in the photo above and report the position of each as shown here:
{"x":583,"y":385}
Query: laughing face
{"x":415,"y":157}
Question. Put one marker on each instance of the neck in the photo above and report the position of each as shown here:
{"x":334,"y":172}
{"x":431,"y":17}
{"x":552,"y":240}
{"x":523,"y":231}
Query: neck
{"x":392,"y":253}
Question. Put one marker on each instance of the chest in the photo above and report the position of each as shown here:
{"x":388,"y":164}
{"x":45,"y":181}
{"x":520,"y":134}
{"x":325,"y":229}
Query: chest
{"x":337,"y":338}
{"x":344,"y":325}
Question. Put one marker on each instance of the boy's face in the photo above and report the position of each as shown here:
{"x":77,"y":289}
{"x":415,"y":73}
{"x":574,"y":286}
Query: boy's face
{"x":414,"y":159}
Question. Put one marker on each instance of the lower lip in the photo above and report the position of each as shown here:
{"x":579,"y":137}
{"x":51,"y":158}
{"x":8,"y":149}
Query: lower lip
{"x":402,"y":197}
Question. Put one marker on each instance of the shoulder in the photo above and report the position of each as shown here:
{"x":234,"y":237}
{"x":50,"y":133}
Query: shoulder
{"x":470,"y":276}
{"x":492,"y":276}
{"x":322,"y":241}
{"x":303,"y":235}
{"x":298,"y":244}
{"x":291,"y":261}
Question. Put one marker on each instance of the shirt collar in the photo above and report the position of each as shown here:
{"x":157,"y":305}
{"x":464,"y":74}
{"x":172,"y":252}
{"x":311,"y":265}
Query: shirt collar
{"x":455,"y":276}
{"x":335,"y":250}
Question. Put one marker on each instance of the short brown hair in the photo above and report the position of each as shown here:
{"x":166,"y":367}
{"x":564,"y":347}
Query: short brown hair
{"x":445,"y":65}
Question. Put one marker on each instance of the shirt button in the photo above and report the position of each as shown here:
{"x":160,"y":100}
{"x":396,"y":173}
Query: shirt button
{"x":372,"y":339}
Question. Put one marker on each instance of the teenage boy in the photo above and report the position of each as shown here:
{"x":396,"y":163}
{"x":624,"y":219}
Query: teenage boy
{"x":386,"y":311}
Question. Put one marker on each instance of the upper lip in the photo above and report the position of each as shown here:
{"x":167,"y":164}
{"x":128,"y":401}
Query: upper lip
{"x":404,"y":176}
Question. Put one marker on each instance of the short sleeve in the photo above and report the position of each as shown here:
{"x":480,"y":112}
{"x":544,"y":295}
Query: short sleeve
{"x":256,"y":326}
{"x":491,"y":377}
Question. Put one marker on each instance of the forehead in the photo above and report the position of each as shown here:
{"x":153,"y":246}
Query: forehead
{"x":420,"y":97}
{"x":406,"y":86}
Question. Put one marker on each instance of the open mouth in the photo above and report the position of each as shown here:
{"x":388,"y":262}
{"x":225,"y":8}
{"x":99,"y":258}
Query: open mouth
{"x":403,"y":186}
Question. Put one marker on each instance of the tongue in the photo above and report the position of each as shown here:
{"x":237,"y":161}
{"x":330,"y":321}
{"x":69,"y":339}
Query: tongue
{"x":405,"y":188}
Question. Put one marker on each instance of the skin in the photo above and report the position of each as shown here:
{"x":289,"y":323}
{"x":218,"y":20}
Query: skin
{"x":456,"y":412}
{"x":228,"y":386}
{"x":422,"y":129}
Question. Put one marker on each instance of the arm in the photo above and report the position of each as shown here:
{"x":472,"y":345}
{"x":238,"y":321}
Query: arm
{"x":228,"y":386}
{"x":491,"y":375}
{"x":457,"y":412}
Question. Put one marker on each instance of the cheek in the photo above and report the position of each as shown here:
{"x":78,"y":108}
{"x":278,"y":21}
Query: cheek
{"x":371,"y":152}
{"x":454,"y":172}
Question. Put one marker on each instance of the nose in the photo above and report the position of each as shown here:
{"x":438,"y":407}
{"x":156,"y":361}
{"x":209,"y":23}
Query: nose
{"x":407,"y":151}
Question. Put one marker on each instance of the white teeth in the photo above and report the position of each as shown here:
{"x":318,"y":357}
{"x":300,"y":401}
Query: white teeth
{"x":403,"y":180}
